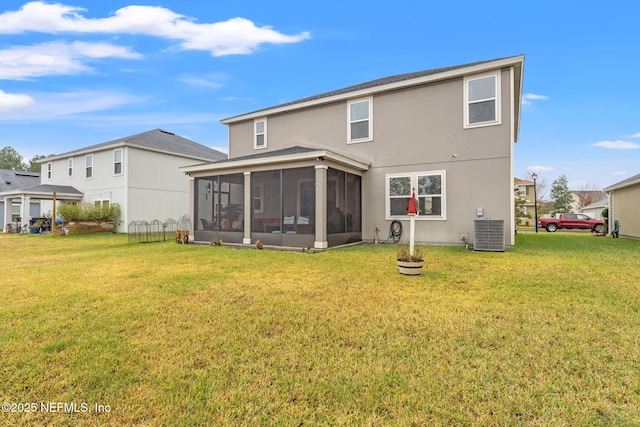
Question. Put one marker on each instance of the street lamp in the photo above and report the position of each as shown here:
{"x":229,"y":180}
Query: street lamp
{"x":535,"y":200}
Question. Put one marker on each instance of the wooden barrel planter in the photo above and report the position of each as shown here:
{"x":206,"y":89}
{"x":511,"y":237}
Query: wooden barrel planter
{"x":410,"y":268}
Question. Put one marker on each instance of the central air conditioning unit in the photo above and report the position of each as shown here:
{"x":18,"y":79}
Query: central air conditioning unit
{"x":489,"y":235}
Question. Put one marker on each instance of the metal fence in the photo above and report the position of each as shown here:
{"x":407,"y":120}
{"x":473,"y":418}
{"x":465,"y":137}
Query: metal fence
{"x":156,"y":231}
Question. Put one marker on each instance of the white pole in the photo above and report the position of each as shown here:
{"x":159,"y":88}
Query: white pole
{"x":412,"y":234}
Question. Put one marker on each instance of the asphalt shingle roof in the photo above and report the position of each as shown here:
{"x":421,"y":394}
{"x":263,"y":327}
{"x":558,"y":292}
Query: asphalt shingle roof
{"x":159,"y":139}
{"x":373,"y":83}
{"x":11,"y":180}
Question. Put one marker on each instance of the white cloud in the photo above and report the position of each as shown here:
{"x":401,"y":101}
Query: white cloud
{"x":47,"y":106}
{"x":11,"y":101}
{"x":528,"y":97}
{"x":56,"y":58}
{"x":618,"y":173}
{"x":539,"y":168}
{"x":214,"y":81}
{"x":617,"y":145}
{"x":235,"y":36}
{"x":636,"y":135}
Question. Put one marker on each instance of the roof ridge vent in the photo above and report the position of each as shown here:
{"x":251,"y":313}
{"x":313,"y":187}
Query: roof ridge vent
{"x":167,"y":132}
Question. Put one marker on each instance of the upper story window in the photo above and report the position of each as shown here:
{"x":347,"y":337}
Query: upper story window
{"x":482,"y":100}
{"x":49,"y":170}
{"x":117,"y":162}
{"x":360,"y":120}
{"x":88,"y":166}
{"x":260,"y":133}
{"x":429,"y":190}
{"x":70,"y":167}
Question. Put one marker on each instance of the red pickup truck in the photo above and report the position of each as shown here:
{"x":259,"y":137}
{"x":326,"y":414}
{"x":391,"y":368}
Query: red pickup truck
{"x":572,"y":220}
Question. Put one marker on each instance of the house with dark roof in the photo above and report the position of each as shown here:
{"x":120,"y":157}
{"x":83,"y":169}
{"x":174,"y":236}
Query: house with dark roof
{"x":11,"y":181}
{"x":138,"y":172}
{"x":624,"y":205}
{"x":341,"y":166}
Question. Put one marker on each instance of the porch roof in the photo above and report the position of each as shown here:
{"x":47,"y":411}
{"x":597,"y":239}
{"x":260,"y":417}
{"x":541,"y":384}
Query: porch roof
{"x":285,"y":155}
{"x":45,"y":192}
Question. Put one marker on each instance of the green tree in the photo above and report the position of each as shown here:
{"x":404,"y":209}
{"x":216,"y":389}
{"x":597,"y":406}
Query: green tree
{"x":11,"y":159}
{"x":34,"y":166}
{"x":561,"y":197}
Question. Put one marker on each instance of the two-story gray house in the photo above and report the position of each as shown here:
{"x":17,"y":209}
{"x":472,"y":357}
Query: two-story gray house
{"x":341,"y":166}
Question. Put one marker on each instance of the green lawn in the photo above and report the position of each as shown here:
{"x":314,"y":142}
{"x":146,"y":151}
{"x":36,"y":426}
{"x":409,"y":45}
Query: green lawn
{"x":160,"y":334}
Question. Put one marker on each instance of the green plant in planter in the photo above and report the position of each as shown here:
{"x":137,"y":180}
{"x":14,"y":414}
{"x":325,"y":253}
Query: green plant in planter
{"x":404,"y":253}
{"x":231,"y":213}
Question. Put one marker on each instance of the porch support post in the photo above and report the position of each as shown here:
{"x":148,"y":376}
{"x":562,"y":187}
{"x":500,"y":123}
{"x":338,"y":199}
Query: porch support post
{"x":246,"y":240}
{"x":25,"y":205}
{"x":321,"y":207}
{"x":7,"y":212}
{"x":192,"y":207}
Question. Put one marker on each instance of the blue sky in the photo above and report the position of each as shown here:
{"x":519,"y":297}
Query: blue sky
{"x":79,"y":72}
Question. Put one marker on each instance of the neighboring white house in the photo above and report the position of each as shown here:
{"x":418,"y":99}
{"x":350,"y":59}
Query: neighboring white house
{"x":139,"y":172}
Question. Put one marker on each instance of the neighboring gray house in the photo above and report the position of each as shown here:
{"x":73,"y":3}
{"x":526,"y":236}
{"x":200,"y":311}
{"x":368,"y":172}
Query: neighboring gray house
{"x":624,"y":205}
{"x":138,"y":172}
{"x":336,"y":167}
{"x":10,"y":181}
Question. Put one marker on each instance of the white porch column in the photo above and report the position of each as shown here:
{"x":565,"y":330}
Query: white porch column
{"x":25,"y":205}
{"x":321,"y":207}
{"x":192,"y":207}
{"x":7,"y":212}
{"x":246,"y":239}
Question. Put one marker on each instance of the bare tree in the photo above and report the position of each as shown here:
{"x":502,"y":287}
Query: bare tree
{"x":587,"y":194}
{"x":541,"y":186}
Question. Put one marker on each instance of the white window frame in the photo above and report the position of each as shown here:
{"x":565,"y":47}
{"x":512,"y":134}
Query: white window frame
{"x":256,"y":133}
{"x":121,"y":162}
{"x":496,"y":98}
{"x":86,"y":167}
{"x":70,"y":167}
{"x":414,"y":185}
{"x":369,"y":138}
{"x":49,"y":171}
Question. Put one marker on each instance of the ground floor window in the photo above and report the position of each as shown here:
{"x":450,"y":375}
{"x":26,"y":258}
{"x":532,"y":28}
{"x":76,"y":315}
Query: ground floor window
{"x":429,"y":189}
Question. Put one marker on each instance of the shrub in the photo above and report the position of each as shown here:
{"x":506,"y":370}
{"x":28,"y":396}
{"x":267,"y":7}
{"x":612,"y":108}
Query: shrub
{"x":404,"y":254}
{"x":89,"y":212}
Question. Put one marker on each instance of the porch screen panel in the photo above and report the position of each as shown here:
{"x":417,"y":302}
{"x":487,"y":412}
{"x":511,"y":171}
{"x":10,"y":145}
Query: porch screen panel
{"x":353,"y":203}
{"x":298,"y":201}
{"x":205,"y":203}
{"x":336,"y":201}
{"x":266,"y":202}
{"x":231,"y":202}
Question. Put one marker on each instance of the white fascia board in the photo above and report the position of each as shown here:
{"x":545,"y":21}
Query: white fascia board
{"x":246,"y":163}
{"x":622,"y":184}
{"x":474,"y":69}
{"x":41,"y":195}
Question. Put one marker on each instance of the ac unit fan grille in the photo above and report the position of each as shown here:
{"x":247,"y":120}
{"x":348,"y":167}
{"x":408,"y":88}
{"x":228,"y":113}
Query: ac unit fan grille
{"x":489,"y":235}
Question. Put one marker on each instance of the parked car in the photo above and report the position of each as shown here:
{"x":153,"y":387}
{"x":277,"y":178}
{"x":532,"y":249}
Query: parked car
{"x":572,"y":220}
